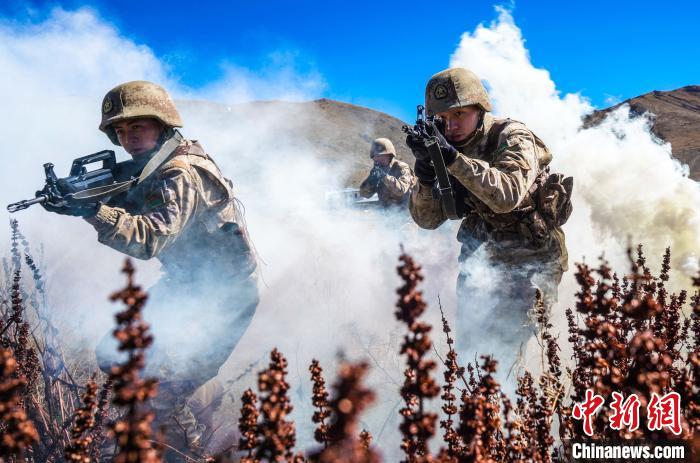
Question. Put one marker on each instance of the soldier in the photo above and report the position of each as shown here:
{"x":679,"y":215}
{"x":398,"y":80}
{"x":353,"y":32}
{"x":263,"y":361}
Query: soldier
{"x":186,"y":216}
{"x":511,"y":208}
{"x":390,"y":178}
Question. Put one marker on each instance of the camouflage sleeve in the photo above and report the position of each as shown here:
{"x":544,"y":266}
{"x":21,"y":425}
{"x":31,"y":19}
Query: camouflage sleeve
{"x":399,"y":186}
{"x":503,"y":185}
{"x":368,"y":188}
{"x":169,"y":208}
{"x":426,"y":211}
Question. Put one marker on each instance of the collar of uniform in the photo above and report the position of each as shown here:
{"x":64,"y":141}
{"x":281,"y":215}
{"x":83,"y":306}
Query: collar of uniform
{"x":478,"y":135}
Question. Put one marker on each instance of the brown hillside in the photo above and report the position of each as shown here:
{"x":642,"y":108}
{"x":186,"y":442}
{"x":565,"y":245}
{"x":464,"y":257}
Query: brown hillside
{"x":337,"y":132}
{"x":677,"y":121}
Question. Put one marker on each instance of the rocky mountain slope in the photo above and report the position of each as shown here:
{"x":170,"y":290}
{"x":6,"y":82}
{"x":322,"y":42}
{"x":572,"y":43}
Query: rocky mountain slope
{"x":341,"y":133}
{"x":337,"y":132}
{"x":677,"y":120}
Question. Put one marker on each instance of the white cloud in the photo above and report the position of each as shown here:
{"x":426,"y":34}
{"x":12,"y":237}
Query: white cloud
{"x":625,"y":182}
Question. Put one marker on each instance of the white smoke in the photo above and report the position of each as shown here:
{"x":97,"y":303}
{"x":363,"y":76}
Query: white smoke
{"x":329,"y":274}
{"x":627,"y":187}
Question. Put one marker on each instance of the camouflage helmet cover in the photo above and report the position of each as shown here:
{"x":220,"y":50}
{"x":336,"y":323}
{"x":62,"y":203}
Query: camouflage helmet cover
{"x":135,"y":99}
{"x":381,"y":146}
{"x":455,"y":88}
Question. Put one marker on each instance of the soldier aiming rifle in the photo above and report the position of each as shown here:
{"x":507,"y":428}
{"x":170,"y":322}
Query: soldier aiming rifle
{"x":493,"y":175}
{"x":170,"y":202}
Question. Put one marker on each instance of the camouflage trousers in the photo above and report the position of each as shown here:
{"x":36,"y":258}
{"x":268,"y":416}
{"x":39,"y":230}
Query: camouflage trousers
{"x":195,"y":327}
{"x":496,"y":291}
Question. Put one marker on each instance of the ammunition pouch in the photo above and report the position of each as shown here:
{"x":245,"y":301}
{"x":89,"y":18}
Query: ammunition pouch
{"x":546,"y":207}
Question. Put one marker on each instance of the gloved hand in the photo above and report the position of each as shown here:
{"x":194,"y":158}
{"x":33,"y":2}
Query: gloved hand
{"x":82,"y":210}
{"x":417,"y":147}
{"x":376,"y":175}
{"x":62,"y":207}
{"x":425,"y":171}
{"x":449,"y":152}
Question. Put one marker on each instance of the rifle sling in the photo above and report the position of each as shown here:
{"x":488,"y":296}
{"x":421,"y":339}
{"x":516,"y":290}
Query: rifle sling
{"x":447,"y":194}
{"x":95,"y":194}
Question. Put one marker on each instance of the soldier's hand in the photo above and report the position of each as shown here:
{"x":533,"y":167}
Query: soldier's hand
{"x":417,"y":146}
{"x":83,"y":210}
{"x":449,"y":152}
{"x":376,"y":175}
{"x":425,"y":171}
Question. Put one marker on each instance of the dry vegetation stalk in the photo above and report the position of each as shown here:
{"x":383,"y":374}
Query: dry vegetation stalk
{"x":418,"y":424}
{"x":350,"y":398}
{"x":133,"y":431}
{"x":276,"y":435}
{"x":319,"y":399}
{"x":78,"y":450}
{"x":629,"y":336}
{"x":16,"y":430}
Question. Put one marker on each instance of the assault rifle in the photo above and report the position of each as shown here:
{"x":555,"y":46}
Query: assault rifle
{"x":422,"y":131}
{"x":83,"y":187}
{"x":81,"y":184}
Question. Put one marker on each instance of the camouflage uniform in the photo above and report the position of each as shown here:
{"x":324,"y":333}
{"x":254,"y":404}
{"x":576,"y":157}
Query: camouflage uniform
{"x":394,"y":188}
{"x":396,"y":179}
{"x":496,"y":183}
{"x":185,"y":215}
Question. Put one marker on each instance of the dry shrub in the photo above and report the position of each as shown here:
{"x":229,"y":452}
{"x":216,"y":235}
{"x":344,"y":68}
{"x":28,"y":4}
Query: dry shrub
{"x":16,"y":430}
{"x":629,"y":336}
{"x":132,"y":431}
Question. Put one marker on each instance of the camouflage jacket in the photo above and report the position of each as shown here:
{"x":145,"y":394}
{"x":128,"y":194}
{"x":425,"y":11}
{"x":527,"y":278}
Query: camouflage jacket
{"x":185,"y":215}
{"x":394,"y":187}
{"x":493,"y":185}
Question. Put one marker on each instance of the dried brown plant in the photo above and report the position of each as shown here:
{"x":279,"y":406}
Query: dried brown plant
{"x":452,"y":372}
{"x":276,"y":434}
{"x":319,"y":399}
{"x":17,"y":432}
{"x":78,"y":450}
{"x":248,"y":425}
{"x":350,"y":398}
{"x":418,"y":424}
{"x":132,"y":432}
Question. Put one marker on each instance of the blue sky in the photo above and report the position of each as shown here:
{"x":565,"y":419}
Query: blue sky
{"x":380,"y":54}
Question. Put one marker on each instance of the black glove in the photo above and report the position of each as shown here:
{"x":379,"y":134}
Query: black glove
{"x":376,"y":175}
{"x":417,"y":147}
{"x":82,"y":210}
{"x":449,"y":152}
{"x":63,"y":208}
{"x":425,"y":171}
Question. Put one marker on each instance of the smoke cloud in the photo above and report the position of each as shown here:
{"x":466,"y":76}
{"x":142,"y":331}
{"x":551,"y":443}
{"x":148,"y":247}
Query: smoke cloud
{"x":627,"y":187}
{"x":328,"y":273}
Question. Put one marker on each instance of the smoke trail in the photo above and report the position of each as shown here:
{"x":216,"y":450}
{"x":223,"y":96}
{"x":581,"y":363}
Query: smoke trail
{"x":329,"y":273}
{"x":626,"y":183}
{"x":627,"y":187}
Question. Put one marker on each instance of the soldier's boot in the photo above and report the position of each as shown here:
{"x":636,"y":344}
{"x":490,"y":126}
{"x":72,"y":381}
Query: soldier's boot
{"x":187,"y":426}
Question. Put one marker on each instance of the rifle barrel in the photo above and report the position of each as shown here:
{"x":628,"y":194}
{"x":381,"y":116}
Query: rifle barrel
{"x":18,"y":206}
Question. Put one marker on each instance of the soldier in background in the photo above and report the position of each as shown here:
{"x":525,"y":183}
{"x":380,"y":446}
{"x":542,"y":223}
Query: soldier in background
{"x":390,"y":178}
{"x":186,"y":216}
{"x":512,"y":210}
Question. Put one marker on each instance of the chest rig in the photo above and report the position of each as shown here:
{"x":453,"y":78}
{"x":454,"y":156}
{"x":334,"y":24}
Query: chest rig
{"x":545,"y":206}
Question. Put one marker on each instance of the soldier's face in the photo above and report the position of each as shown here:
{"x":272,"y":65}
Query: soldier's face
{"x":460,"y":123}
{"x":138,"y":136}
{"x":383,"y":160}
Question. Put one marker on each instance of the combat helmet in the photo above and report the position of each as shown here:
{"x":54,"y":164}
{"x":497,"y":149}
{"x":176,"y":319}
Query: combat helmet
{"x":138,"y":98}
{"x":455,"y":88}
{"x":381,"y":146}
